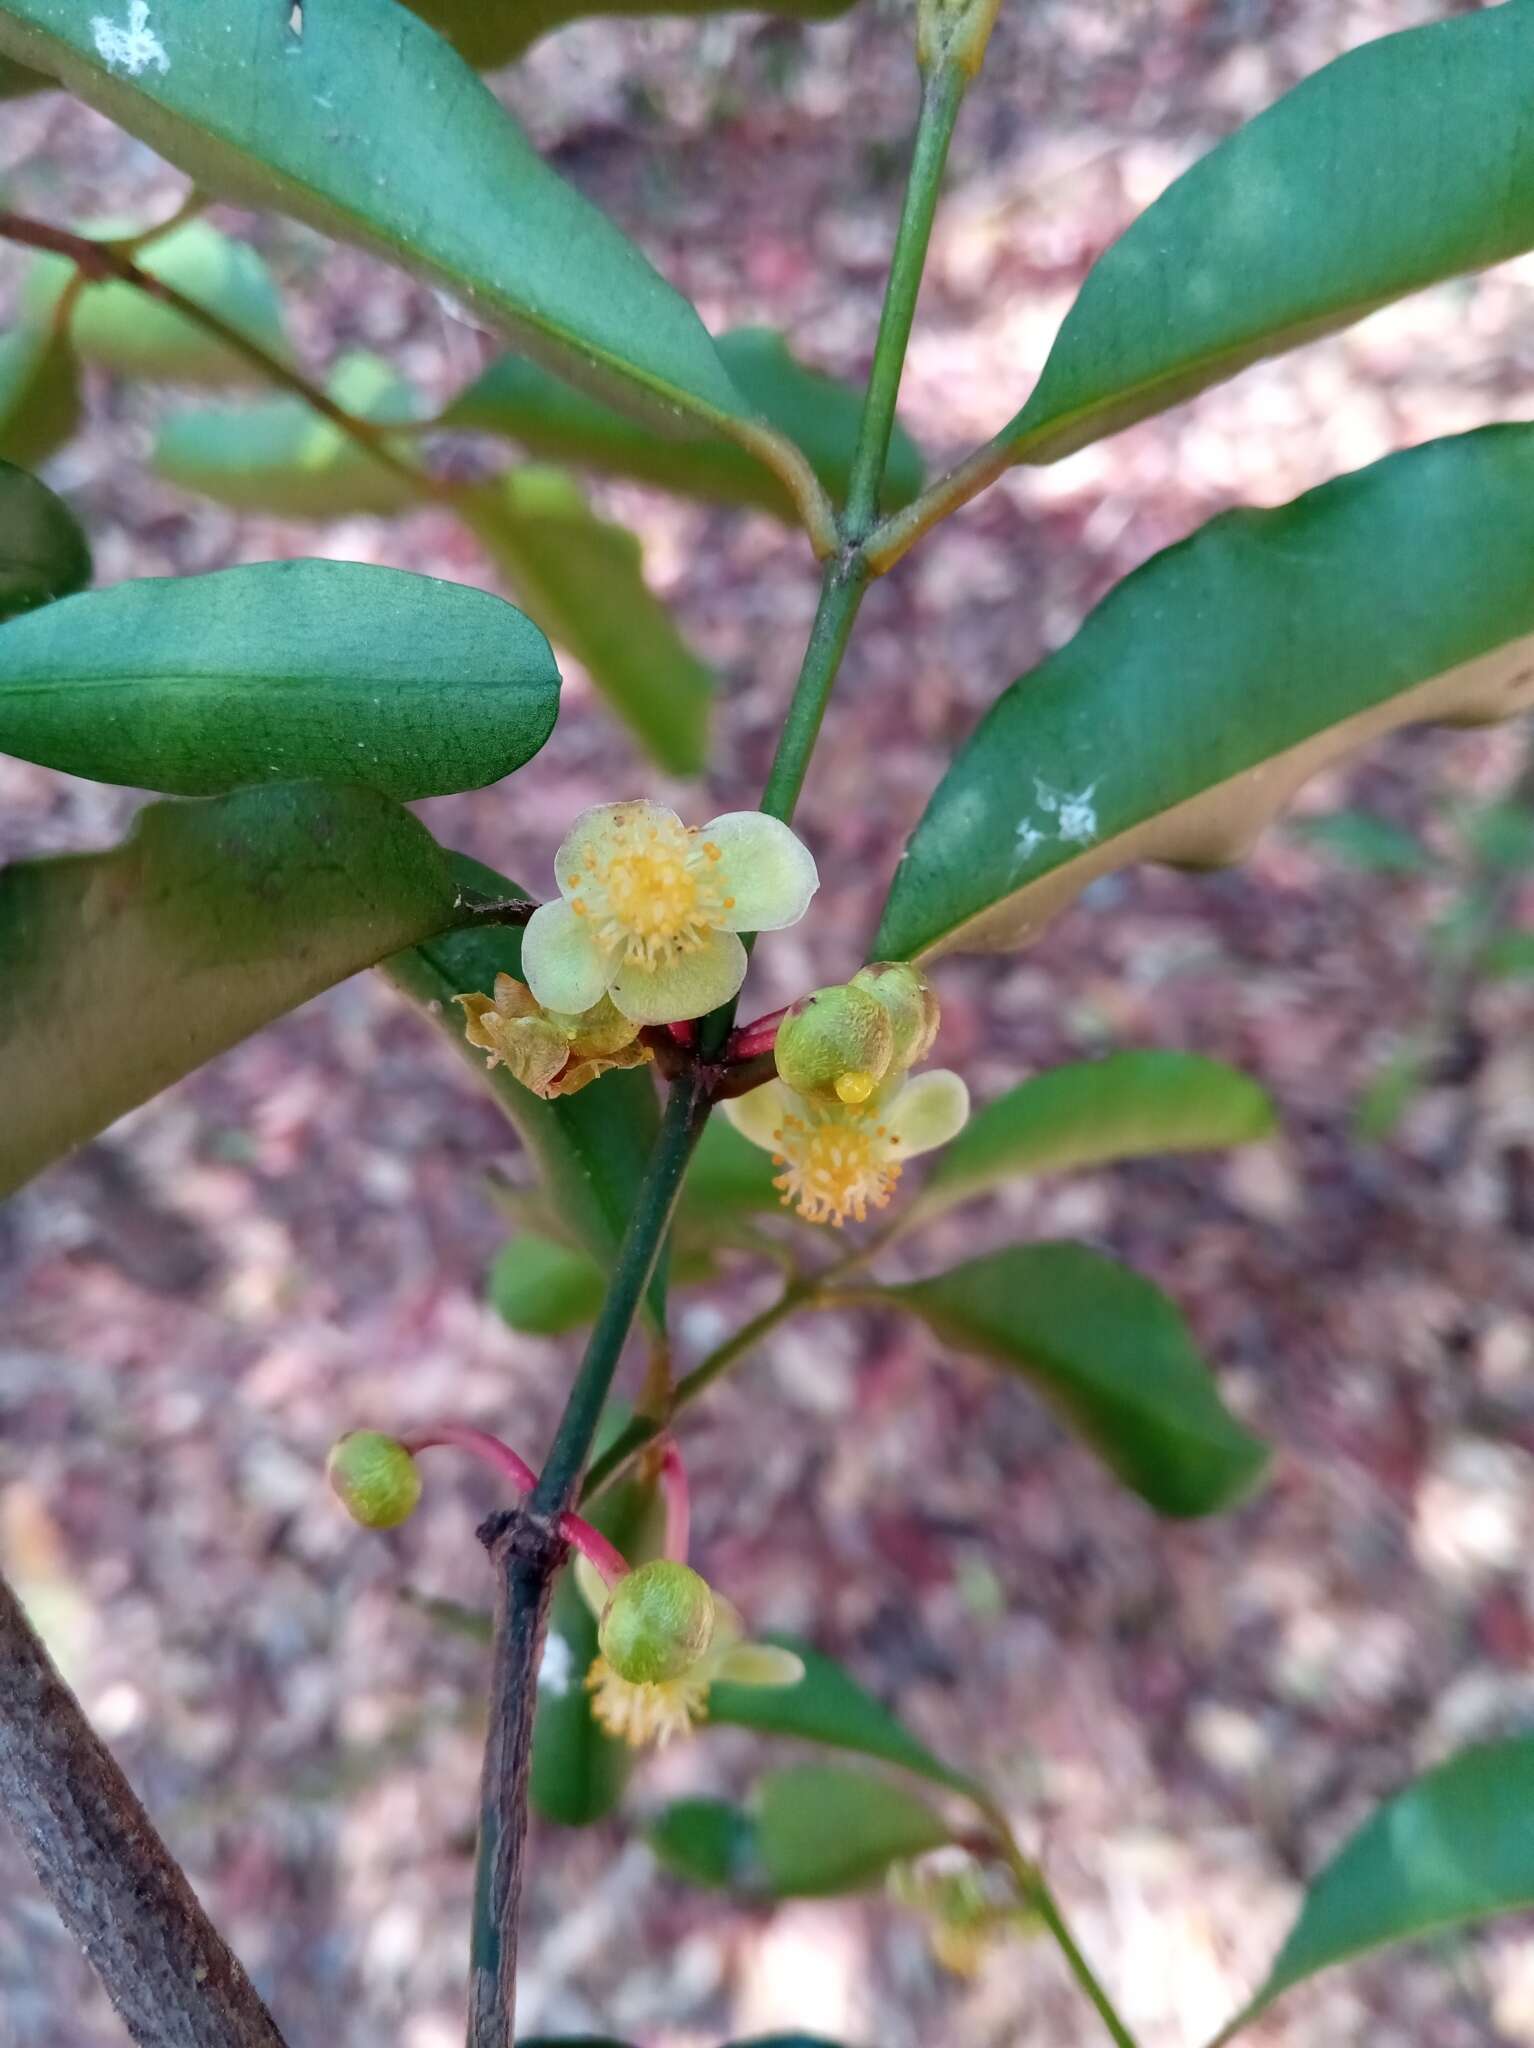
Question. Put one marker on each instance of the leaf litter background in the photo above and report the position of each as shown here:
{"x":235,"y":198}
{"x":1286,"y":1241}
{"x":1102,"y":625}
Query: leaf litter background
{"x":1187,"y":1718}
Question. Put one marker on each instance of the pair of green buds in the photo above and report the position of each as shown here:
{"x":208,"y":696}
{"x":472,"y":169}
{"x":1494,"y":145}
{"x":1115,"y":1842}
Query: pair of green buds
{"x":840,"y":1044}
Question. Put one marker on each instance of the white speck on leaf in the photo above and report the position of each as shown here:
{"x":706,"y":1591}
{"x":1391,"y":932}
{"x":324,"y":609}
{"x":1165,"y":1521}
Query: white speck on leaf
{"x":1029,"y":839}
{"x":1076,"y":815}
{"x":557,"y":1668}
{"x":132,"y":45}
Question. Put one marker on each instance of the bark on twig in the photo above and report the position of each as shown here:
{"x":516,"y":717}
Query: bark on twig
{"x":115,"y":1885}
{"x":526,"y":1551}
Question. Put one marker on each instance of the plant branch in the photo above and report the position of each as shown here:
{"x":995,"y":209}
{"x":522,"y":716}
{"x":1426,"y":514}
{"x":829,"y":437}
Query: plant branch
{"x":99,"y":262}
{"x":113,"y":1881}
{"x":901,"y":530}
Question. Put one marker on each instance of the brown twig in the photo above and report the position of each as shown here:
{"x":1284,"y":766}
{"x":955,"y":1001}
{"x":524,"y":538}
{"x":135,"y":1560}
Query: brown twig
{"x":114,"y":1883}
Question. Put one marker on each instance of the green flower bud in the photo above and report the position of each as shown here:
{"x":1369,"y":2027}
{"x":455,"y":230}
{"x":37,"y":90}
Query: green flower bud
{"x":835,"y":1045}
{"x":374,"y":1477}
{"x":910,"y":1001}
{"x":658,"y":1623}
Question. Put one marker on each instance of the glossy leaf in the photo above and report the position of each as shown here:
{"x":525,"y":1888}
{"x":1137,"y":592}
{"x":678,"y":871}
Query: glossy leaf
{"x":1130,"y":1105}
{"x":544,"y":1288}
{"x":557,"y":423}
{"x":1455,"y":1846}
{"x":333,"y":671}
{"x":122,"y":971}
{"x":287,"y":112}
{"x":707,"y":1842}
{"x":43,"y":554}
{"x":590,"y":1148}
{"x":1111,"y":1355}
{"x":492,"y":32}
{"x":123,"y":330}
{"x":1362,"y":840}
{"x":582,"y":579}
{"x":828,"y":1706}
{"x":1405,"y":162}
{"x":1215,"y":680}
{"x":39,"y":395}
{"x":578,"y":1771}
{"x":821,"y":1830}
{"x":281,"y":457}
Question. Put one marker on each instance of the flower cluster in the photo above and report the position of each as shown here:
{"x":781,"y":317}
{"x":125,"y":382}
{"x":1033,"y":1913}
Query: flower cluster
{"x":549,"y":1051}
{"x":844,"y":1114}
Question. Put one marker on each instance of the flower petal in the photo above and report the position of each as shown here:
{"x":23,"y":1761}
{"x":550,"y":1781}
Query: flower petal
{"x":767,"y":869}
{"x":591,"y":1585}
{"x":759,"y":1664}
{"x":759,"y":1115}
{"x":689,"y":986}
{"x":561,"y":963}
{"x":601,"y":832}
{"x":927,"y":1112}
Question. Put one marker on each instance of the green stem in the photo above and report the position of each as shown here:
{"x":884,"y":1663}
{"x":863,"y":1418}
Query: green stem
{"x":687,"y":1109}
{"x":942,"y":95}
{"x":903,"y":529}
{"x":841,"y":592}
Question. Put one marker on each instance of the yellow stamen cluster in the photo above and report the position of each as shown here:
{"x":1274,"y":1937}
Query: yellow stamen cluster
{"x":835,"y":1165}
{"x":640,"y":1714}
{"x":655,"y":897}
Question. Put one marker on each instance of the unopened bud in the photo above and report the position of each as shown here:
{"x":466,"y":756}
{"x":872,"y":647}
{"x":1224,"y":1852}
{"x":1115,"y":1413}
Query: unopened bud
{"x":658,"y":1623}
{"x":830,"y":1036}
{"x":910,"y":1001}
{"x":374,"y":1477}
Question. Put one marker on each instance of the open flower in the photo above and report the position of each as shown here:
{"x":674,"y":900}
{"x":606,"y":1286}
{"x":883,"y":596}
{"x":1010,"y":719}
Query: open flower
{"x":650,"y":909}
{"x":666,"y":1638}
{"x":548,"y":1051}
{"x":843,"y":1159}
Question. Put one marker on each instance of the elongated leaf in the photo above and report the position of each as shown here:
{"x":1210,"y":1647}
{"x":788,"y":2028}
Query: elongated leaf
{"x":133,"y":335}
{"x":590,"y":1148}
{"x":493,"y":32}
{"x":335,"y":671}
{"x":578,"y":1771}
{"x":284,"y":108}
{"x":582,"y":579}
{"x":1127,"y":1106}
{"x":122,"y":971}
{"x":544,"y":1288}
{"x":552,"y":420}
{"x":829,"y":1706}
{"x":1215,"y":680}
{"x":43,"y":553}
{"x":1454,"y":1846}
{"x":708,"y":1842}
{"x":1111,"y":1355}
{"x":1404,"y":162}
{"x":280,"y":457}
{"x":39,"y":395}
{"x":821,"y":1830}
{"x":785,"y":2041}
{"x":1372,"y":844}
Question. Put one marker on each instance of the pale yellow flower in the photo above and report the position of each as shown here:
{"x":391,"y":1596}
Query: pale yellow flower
{"x":839,"y":1159}
{"x":650,"y":909}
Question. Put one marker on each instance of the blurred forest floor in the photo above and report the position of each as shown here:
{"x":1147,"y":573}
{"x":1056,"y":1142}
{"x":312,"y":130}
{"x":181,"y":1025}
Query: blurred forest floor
{"x":295,"y":1240}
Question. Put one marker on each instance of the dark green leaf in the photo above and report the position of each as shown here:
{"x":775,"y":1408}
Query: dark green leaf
{"x":553,"y":421}
{"x":43,"y":553}
{"x":578,"y":1772}
{"x":544,"y":1288}
{"x":269,"y":110}
{"x":708,"y":1842}
{"x":590,"y":1148}
{"x":122,"y":971}
{"x":1511,"y":957}
{"x":1368,"y":181}
{"x":1111,"y":1355}
{"x":125,"y":331}
{"x":582,"y":579}
{"x":331,"y":671}
{"x":1211,"y":683}
{"x":492,"y":32}
{"x":1454,"y":1846}
{"x":1371,"y":843}
{"x":39,"y":395}
{"x":821,"y":1830}
{"x":828,"y":1706}
{"x":785,"y":2041}
{"x":1130,"y":1105}
{"x":281,"y":457}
